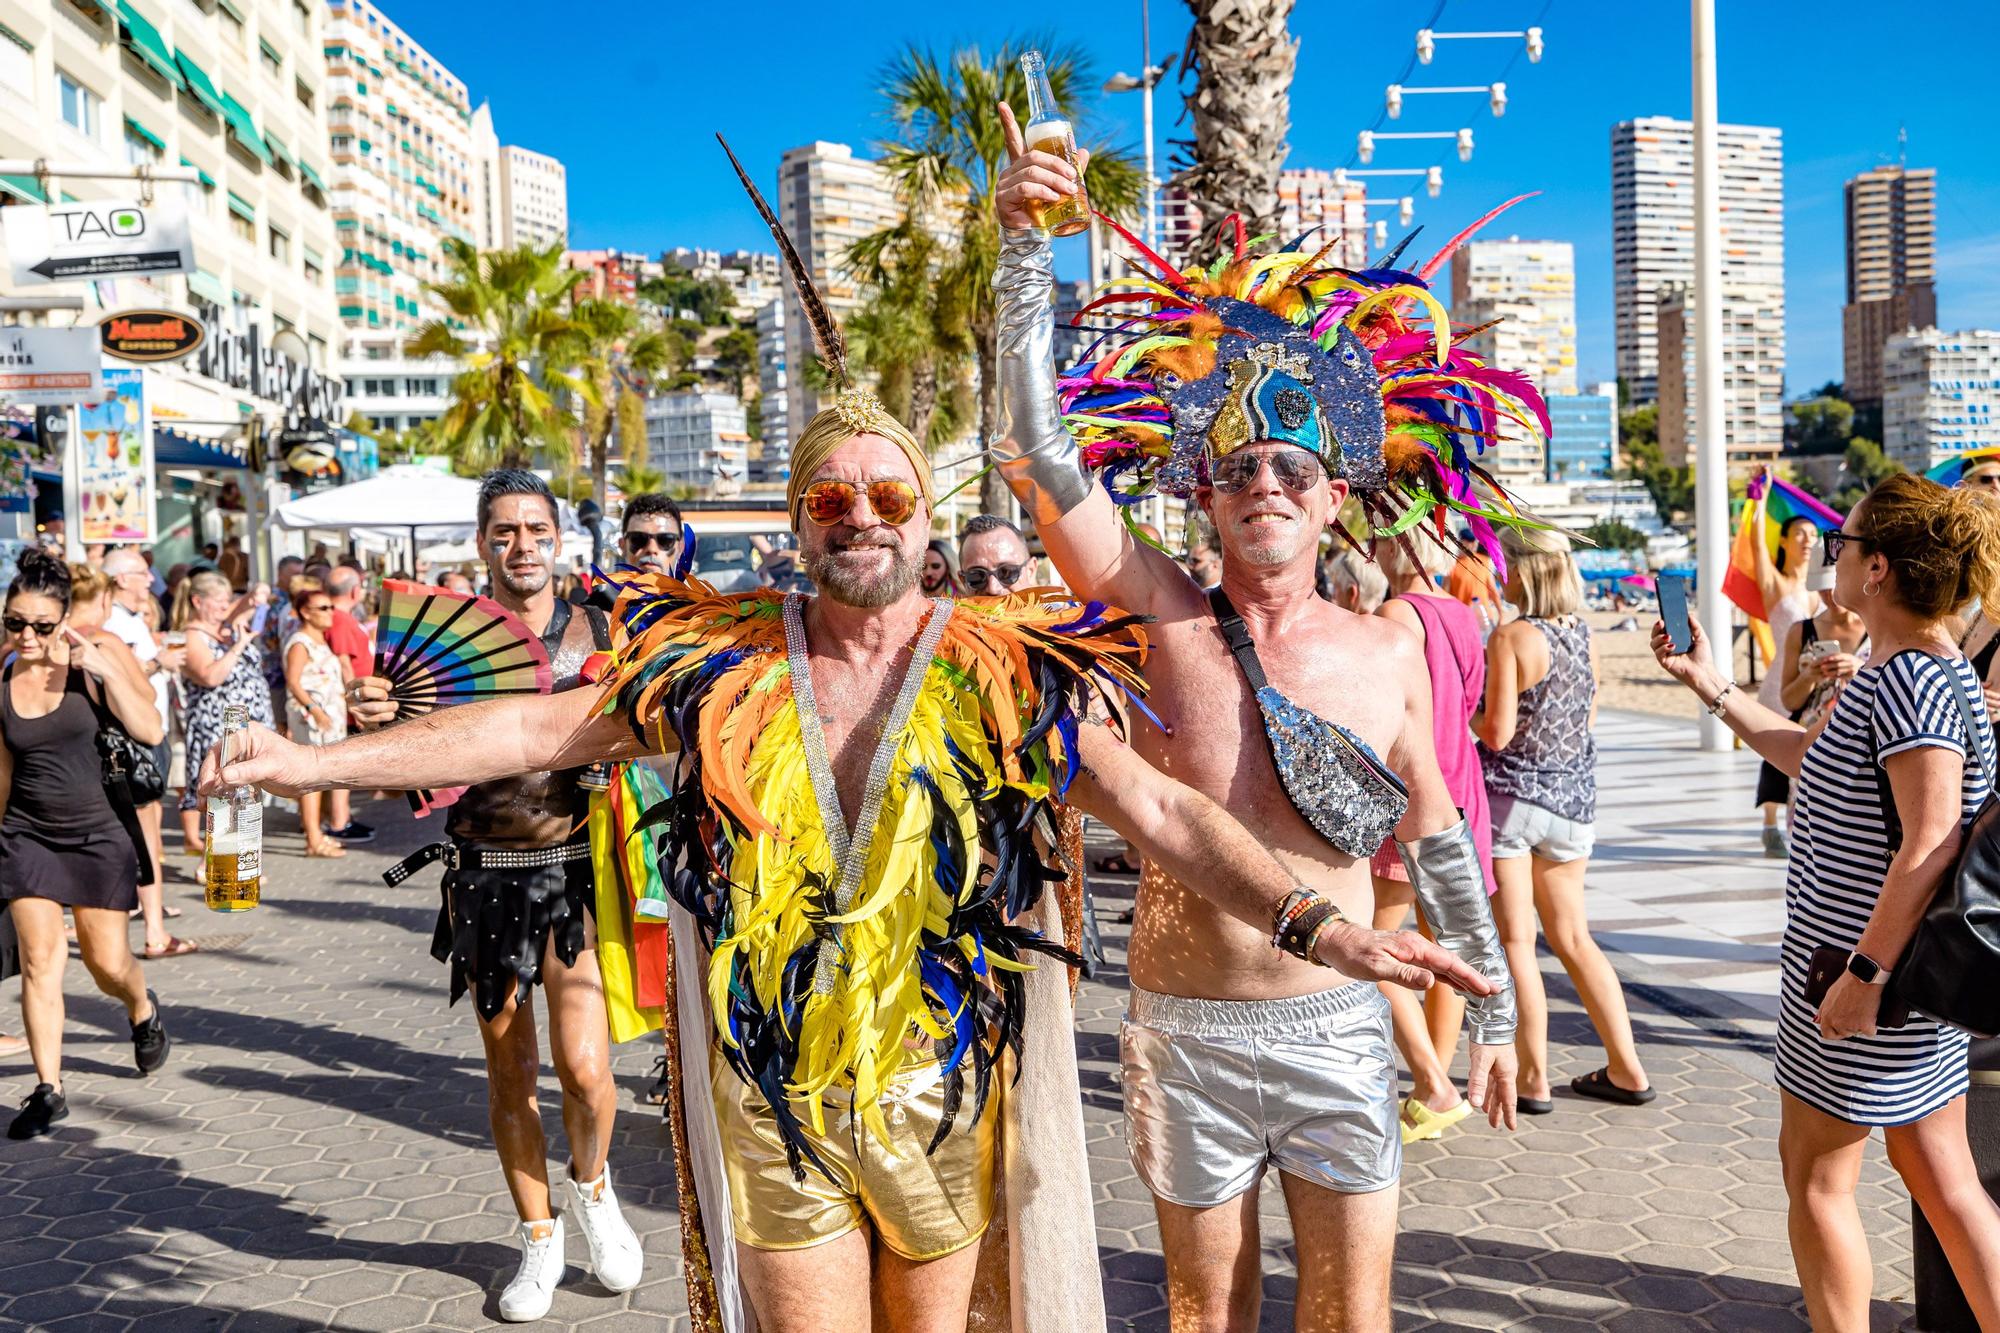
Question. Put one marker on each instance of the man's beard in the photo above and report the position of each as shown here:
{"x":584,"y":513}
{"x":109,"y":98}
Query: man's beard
{"x":524,"y":584}
{"x":851,"y":587}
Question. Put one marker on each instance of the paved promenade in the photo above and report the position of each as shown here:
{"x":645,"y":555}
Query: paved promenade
{"x":316,"y":1155}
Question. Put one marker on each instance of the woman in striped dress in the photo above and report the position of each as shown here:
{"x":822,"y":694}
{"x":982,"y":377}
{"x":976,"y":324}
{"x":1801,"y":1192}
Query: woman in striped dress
{"x":1908,"y":557}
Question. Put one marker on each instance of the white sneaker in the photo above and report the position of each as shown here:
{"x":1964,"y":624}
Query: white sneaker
{"x":528,"y":1296}
{"x":615,"y":1255}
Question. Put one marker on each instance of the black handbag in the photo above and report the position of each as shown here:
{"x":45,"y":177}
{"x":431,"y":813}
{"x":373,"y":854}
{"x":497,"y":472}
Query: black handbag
{"x":1947,"y":972}
{"x":126,"y":778}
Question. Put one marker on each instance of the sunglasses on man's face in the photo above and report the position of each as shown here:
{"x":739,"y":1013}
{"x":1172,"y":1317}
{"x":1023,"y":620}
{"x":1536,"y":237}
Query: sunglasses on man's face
{"x":641,"y":541}
{"x":1296,"y":470}
{"x":976,"y":577}
{"x":21,"y":625}
{"x":828,"y":502}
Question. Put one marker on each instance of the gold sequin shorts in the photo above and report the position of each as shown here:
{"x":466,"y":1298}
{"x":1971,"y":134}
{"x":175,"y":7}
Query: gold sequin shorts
{"x":922,"y":1206}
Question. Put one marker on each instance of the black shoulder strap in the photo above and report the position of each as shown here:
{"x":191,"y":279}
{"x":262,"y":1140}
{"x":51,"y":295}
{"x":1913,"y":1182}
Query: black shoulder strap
{"x":552,"y":637}
{"x":1808,"y":631}
{"x":1974,"y":748}
{"x":1237,"y":635}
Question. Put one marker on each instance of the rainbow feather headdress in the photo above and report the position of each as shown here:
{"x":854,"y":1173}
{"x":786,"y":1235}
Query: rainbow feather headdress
{"x":1363,"y":367}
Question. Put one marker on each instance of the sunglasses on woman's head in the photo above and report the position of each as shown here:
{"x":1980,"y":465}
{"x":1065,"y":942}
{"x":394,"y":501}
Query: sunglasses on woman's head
{"x":1296,"y":470}
{"x":20,"y":625}
{"x":828,"y":502}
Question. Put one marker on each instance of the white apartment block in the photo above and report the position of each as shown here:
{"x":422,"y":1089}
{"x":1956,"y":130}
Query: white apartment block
{"x":404,"y":171}
{"x":1529,"y":287}
{"x":1940,"y":395}
{"x":534,"y":198}
{"x":827,"y":199}
{"x":235,"y":91}
{"x":773,"y":462}
{"x":1652,"y":222}
{"x":698,"y":438}
{"x":1309,"y":197}
{"x":1753,"y":375}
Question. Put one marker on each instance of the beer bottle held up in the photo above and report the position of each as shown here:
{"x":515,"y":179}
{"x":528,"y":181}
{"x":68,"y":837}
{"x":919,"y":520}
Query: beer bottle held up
{"x":1048,"y":131}
{"x":232,"y":867}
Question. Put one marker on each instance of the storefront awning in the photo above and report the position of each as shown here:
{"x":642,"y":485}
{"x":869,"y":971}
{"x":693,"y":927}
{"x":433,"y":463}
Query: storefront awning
{"x":146,"y":43}
{"x":173,"y":449}
{"x":199,"y":83}
{"x":24,"y":187}
{"x":245,"y":129}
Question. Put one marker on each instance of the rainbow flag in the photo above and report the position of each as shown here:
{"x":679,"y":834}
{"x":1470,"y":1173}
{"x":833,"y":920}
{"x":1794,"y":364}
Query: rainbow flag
{"x":1769,"y":505}
{"x":1951,"y":472}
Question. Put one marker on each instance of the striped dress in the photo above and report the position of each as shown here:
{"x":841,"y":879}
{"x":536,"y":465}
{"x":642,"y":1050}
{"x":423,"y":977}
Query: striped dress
{"x":1840,"y":856}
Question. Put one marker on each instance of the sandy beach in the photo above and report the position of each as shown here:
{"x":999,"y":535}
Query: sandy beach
{"x":1630,"y":679}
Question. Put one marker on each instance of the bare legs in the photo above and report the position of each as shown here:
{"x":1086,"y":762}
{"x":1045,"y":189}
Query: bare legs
{"x":1514,"y":914}
{"x":1430,"y":1083}
{"x":102,"y":936}
{"x":317,"y":843}
{"x":847,"y":1283}
{"x":579,"y":1045}
{"x":1214,"y":1260}
{"x":1559,"y":903}
{"x":152,"y":897}
{"x":339,"y":814}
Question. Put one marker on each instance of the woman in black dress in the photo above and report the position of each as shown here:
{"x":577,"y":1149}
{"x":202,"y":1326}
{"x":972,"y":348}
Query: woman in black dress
{"x":61,"y":842}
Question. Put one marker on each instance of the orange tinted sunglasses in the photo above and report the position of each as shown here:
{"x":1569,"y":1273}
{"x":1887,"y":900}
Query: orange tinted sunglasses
{"x":828,"y":502}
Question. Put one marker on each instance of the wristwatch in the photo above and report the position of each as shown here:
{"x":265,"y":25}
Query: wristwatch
{"x":1866,"y":969}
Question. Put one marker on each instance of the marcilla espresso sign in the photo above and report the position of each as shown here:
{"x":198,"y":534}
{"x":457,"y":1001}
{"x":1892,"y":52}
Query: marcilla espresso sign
{"x":150,"y":335}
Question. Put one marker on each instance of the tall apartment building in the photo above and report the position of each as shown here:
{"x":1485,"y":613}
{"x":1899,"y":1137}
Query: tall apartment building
{"x":1891,"y":270}
{"x":1529,"y":288}
{"x":534,"y":198}
{"x":1753,"y":379}
{"x":771,"y":457}
{"x":697,"y":437}
{"x":1940,"y":395}
{"x":828,"y":199}
{"x":1309,"y":197}
{"x":1583,"y":439}
{"x":1653,"y":253}
{"x":234,"y":92}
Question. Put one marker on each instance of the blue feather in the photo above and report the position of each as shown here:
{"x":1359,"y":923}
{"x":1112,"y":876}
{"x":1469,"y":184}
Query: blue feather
{"x":1066,"y":728}
{"x":1093,"y":612}
{"x":686,"y":562}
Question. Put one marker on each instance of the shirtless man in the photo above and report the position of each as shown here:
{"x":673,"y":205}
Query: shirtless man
{"x":518,"y":901}
{"x":1236,"y":1056}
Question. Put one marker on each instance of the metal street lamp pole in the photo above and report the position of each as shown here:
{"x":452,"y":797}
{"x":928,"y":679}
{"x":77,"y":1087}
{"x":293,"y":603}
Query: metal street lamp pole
{"x":1711,"y":470}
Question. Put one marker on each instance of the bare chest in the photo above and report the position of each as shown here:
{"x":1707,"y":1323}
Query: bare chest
{"x":852,"y":706}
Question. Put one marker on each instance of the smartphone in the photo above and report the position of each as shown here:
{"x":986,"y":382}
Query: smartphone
{"x":1674,"y":611}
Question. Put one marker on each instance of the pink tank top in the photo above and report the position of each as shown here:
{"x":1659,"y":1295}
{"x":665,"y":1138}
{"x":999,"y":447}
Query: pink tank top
{"x":1457,"y":662}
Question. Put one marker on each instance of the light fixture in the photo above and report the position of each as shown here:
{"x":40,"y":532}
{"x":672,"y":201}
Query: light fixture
{"x":1499,"y":99}
{"x":1534,"y":46}
{"x":1406,"y":209}
{"x":1434,"y":181}
{"x":1395,"y":101}
{"x":1426,"y":46}
{"x":1465,"y":145}
{"x":1365,"y":146}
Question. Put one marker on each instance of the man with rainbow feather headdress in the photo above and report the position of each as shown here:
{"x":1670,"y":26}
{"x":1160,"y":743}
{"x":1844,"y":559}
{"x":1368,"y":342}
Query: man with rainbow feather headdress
{"x":870,"y":1077}
{"x":1268,"y":388}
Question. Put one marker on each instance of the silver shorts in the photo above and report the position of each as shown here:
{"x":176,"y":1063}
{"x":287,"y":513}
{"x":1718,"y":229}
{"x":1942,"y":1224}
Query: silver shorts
{"x":1215,"y":1089}
{"x":1521,"y":827}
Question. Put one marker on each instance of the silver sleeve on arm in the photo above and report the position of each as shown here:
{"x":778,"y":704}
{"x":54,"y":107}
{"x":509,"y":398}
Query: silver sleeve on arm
{"x":1451,"y":890}
{"x":1035,"y":455}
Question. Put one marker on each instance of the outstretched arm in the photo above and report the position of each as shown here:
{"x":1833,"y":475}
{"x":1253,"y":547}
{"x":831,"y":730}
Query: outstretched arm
{"x":452,"y":747}
{"x":1075,"y":518}
{"x":1201,"y":846}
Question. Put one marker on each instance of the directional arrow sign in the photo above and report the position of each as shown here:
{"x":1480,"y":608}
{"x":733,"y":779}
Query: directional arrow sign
{"x":99,"y":239}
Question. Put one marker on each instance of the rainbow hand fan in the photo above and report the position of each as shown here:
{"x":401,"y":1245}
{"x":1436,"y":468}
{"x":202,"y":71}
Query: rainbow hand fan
{"x":438,"y":648}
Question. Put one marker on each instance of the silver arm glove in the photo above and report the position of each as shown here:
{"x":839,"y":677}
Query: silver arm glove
{"x":1035,"y":454}
{"x":1444,"y":871}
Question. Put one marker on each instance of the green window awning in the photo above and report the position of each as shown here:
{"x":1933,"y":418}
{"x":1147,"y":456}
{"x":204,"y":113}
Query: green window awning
{"x":270,"y":51}
{"x":16,"y":38}
{"x":24,"y":188}
{"x":145,"y":41}
{"x":312,"y":257}
{"x":207,"y":181}
{"x":278,"y":149}
{"x":145,"y":134}
{"x":198,"y":83}
{"x":242,"y":207}
{"x":245,"y":130}
{"x":207,"y":286}
{"x":312,"y":178}
{"x":231,"y":10}
{"x":364,"y":146}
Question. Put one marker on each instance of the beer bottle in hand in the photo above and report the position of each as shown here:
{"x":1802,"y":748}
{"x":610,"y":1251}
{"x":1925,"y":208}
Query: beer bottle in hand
{"x":1049,"y":131}
{"x":232,"y":870}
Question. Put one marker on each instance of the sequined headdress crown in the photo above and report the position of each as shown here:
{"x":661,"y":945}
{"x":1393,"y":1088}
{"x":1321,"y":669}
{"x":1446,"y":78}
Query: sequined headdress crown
{"x":1362,"y":367}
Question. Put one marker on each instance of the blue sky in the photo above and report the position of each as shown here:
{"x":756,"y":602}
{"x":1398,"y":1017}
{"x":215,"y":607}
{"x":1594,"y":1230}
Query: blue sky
{"x":629,"y":99}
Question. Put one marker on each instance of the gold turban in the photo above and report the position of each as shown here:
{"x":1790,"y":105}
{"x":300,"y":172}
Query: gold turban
{"x":854,"y":412}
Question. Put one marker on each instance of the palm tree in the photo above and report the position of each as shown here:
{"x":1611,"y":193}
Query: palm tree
{"x":639,"y":479}
{"x":613,"y":353}
{"x":509,"y":328}
{"x":1242,"y":57}
{"x":913,"y":332}
{"x":945,"y":160}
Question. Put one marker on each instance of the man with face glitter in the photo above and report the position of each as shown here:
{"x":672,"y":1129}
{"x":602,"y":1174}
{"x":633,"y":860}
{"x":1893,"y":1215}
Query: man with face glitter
{"x":517,"y":895}
{"x":868,"y":1066}
{"x":1256,"y":388}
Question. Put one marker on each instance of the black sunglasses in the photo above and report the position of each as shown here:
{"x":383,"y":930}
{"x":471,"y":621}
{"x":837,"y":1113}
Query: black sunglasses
{"x":17,"y":624}
{"x":976,"y":576}
{"x":1836,"y":540}
{"x":666,"y":541}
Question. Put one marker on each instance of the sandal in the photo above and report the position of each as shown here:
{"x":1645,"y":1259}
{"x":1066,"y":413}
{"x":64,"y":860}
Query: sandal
{"x":1116,"y":865}
{"x":166,"y":911}
{"x":12,"y":1046}
{"x":1534,"y":1105}
{"x":1420,"y":1122}
{"x":175,"y":948}
{"x":1598,"y":1084}
{"x":329,"y":851}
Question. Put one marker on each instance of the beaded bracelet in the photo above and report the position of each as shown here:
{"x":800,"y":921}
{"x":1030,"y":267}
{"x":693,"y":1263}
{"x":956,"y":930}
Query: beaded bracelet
{"x":1288,"y":911}
{"x":1299,"y":933}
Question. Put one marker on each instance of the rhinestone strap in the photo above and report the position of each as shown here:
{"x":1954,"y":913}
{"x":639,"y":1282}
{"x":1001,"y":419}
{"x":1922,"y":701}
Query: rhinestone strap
{"x":850,"y":850}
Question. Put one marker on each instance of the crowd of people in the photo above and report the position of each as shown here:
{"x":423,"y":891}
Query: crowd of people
{"x":873,"y":1098}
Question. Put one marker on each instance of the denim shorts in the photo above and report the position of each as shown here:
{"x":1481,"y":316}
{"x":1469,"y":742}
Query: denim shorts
{"x":1521,"y":827}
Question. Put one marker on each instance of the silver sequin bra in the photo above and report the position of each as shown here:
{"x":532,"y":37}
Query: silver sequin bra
{"x":1331,"y":777}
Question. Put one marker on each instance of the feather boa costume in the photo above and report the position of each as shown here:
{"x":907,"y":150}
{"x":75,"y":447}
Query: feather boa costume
{"x":1363,"y":367}
{"x":928,"y":947}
